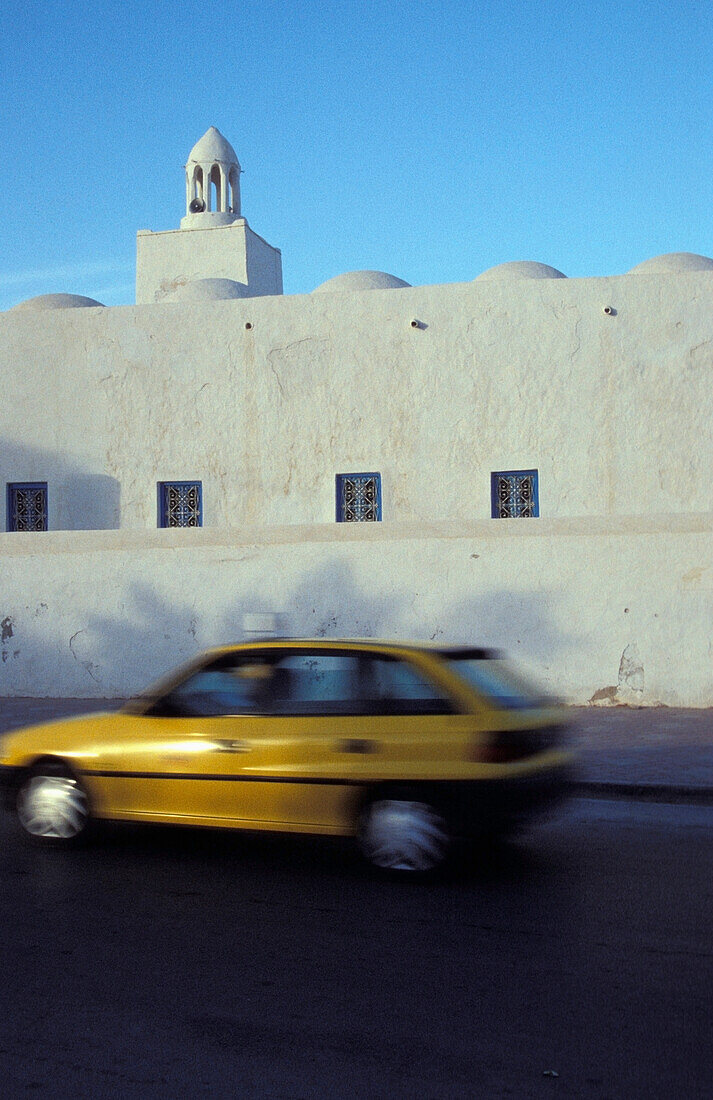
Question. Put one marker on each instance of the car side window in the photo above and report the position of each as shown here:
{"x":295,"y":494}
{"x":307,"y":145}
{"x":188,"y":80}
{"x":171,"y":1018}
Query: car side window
{"x":398,"y":688}
{"x":314,"y":683}
{"x":215,"y":691}
{"x":304,"y":683}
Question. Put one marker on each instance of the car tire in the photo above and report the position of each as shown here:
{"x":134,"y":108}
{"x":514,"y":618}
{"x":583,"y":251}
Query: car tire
{"x":401,"y":832}
{"x":52,"y":806}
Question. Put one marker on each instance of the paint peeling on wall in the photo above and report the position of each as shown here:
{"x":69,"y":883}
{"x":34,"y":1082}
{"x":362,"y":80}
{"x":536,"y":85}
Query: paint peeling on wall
{"x":631,"y":670}
{"x":605,"y":696}
{"x":89,"y":666}
{"x":629,"y":689}
{"x":694,"y":576}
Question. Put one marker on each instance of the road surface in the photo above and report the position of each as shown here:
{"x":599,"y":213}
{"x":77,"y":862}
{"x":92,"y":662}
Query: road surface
{"x":170,"y":963}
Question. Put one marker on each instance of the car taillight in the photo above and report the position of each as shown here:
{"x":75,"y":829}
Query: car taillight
{"x":504,"y":746}
{"x":495,"y":753}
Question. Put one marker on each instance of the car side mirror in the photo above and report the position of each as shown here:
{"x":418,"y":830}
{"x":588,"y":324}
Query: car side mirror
{"x":165,"y":707}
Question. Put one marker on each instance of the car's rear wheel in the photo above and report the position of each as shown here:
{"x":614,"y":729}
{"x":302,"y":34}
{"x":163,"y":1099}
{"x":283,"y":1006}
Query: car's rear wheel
{"x":404,"y":834}
{"x":52,"y":805}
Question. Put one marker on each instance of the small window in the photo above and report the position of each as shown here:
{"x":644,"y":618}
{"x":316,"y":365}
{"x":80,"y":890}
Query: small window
{"x":358,"y":498}
{"x":27,"y":506}
{"x":180,"y":504}
{"x":514,"y":494}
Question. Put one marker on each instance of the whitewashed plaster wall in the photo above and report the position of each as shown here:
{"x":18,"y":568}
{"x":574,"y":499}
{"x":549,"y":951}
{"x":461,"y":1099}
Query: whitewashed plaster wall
{"x":167,"y":261}
{"x":613,"y":410}
{"x":603,"y":610}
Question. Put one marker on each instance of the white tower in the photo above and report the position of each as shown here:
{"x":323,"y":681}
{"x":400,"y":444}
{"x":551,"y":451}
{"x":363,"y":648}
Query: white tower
{"x":212,"y":183}
{"x":215,"y":252}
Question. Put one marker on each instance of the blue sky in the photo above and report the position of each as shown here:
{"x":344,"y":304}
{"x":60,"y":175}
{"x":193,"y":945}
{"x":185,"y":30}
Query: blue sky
{"x":431,"y":140}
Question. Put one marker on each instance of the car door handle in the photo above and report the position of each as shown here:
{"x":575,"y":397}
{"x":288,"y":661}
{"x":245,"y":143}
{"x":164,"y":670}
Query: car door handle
{"x":356,"y":745}
{"x":228,"y":745}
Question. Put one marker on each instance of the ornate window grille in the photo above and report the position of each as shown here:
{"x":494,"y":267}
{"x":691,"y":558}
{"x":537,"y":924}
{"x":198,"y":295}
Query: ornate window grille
{"x":27,"y":506}
{"x":514,"y":494}
{"x":180,"y":504}
{"x":358,"y":498}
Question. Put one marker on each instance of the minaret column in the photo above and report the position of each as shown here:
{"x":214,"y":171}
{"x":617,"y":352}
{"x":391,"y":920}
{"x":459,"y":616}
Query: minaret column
{"x":224,"y":203}
{"x":235,"y":190}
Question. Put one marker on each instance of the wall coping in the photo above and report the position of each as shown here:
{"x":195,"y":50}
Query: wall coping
{"x":38,"y":544}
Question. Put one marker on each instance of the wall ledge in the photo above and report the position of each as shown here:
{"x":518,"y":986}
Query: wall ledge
{"x":17,"y":544}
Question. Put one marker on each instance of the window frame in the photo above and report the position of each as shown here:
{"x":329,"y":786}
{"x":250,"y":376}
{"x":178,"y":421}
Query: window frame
{"x":11,"y":488}
{"x":494,"y":478}
{"x":161,"y":486}
{"x":339,"y":481}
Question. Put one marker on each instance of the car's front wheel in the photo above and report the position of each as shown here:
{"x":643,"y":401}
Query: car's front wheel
{"x":403,"y":834}
{"x":52,"y":805}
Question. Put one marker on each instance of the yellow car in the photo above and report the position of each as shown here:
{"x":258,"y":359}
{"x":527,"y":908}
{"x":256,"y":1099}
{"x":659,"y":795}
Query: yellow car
{"x":405,"y":747}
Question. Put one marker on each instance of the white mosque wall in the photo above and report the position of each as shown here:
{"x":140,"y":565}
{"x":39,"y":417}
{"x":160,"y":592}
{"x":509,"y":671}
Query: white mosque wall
{"x":264,"y":265}
{"x":607,"y":594}
{"x":613,"y":409}
{"x":167,"y":261}
{"x":607,"y":610}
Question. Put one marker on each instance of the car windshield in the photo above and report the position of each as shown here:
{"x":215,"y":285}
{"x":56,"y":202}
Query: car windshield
{"x":496,"y":679}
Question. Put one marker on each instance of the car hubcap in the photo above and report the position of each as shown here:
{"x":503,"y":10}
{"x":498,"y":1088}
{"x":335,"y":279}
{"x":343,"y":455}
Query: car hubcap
{"x":404,"y":836}
{"x":52,"y":806}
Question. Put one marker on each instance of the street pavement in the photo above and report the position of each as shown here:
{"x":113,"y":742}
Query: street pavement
{"x":653,"y":753}
{"x":658,"y":753}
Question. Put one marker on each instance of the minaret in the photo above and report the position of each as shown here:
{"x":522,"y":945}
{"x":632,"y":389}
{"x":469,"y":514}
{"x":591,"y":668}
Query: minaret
{"x":215,"y":246}
{"x":212,"y":183}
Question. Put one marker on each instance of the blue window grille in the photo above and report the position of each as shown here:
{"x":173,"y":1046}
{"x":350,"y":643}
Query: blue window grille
{"x":358,"y":498}
{"x":180,"y":504}
{"x":514,"y":494}
{"x":27,"y":506}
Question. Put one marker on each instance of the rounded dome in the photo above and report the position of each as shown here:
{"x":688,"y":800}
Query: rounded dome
{"x":213,"y":147}
{"x":208,"y":290}
{"x":361,"y":280}
{"x":672,"y":263}
{"x":521,"y":269}
{"x":58,"y":301}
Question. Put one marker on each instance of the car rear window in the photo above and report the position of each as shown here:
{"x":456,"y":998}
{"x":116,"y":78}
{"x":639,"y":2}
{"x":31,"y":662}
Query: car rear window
{"x":496,"y":679}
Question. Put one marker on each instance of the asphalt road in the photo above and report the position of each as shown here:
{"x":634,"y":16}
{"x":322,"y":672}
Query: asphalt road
{"x":171,"y":963}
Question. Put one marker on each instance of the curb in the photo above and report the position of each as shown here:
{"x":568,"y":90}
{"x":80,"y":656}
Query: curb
{"x":644,"y":792}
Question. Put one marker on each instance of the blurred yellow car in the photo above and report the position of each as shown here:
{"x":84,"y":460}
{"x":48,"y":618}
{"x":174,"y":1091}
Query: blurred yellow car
{"x":405,"y":747}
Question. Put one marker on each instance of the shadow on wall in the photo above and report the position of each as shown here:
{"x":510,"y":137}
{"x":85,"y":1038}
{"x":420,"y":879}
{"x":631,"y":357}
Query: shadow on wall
{"x":523,"y":624}
{"x":77,"y":499}
{"x":118,"y":656}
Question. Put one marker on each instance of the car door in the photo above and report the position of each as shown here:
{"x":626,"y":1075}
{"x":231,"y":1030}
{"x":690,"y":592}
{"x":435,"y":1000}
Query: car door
{"x":204,"y":751}
{"x":353,"y":718}
{"x":424,"y":730}
{"x":313,"y":697}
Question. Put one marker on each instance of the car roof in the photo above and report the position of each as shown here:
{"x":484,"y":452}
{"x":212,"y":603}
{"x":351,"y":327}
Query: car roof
{"x":462,"y":652}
